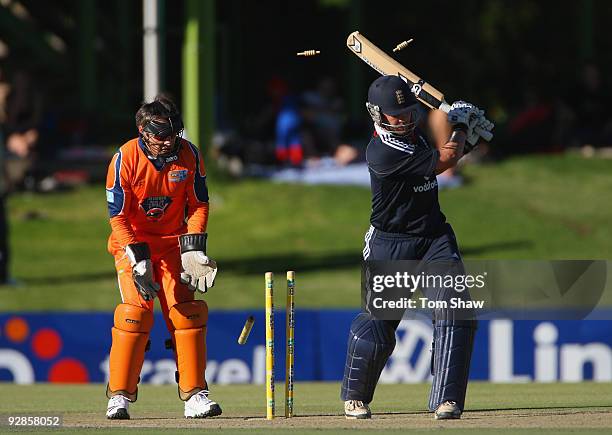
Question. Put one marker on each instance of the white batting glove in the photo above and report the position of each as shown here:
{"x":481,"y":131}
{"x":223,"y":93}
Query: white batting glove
{"x":142,"y":270}
{"x":477,"y":127}
{"x":463,"y":113}
{"x":483,"y":123}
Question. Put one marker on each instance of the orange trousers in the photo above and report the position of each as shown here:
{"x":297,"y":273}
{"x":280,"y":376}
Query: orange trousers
{"x":191,"y":354}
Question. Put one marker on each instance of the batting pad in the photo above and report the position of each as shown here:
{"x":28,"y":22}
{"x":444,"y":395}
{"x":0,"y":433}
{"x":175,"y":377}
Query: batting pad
{"x":371,"y":342}
{"x":451,"y":356}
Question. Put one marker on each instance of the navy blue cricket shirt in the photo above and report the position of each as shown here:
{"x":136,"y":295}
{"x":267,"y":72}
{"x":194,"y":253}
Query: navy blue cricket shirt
{"x":404,"y":186}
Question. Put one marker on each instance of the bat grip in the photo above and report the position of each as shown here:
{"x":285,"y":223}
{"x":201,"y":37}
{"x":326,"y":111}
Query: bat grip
{"x":486,"y":135}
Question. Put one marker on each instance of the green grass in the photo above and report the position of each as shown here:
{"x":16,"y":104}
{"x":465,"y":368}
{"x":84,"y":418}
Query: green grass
{"x":547,"y":207}
{"x":497,"y":408}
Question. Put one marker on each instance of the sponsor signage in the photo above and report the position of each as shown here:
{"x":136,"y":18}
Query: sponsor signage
{"x":74,"y":347}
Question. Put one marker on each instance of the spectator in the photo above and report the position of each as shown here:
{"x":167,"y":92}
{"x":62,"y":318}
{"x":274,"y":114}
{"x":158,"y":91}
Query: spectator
{"x":324,"y":110}
{"x":586,"y":107}
{"x":23,"y":109}
{"x":531,"y":129}
{"x":289,"y":138}
{"x":4,"y":248}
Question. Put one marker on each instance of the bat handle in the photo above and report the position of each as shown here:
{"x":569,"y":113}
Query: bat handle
{"x":486,"y":135}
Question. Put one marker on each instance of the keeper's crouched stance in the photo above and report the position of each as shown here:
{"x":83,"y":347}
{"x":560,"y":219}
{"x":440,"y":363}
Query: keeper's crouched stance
{"x":158,"y":204}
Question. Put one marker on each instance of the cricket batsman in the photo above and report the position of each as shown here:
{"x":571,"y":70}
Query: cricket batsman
{"x":407,"y":224}
{"x":158,"y":204}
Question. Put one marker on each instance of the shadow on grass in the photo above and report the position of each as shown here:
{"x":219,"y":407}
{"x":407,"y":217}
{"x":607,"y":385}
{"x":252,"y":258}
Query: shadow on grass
{"x":595,"y":408}
{"x":336,"y":261}
{"x":66,"y":279}
{"x":280,"y":262}
{"x":292,"y":261}
{"x":471,"y":412}
{"x":604,"y":408}
{"x":512,"y":245}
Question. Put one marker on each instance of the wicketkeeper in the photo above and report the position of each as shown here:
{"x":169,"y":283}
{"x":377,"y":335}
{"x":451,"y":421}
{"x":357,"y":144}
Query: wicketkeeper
{"x":407,"y":224}
{"x":158,"y":204}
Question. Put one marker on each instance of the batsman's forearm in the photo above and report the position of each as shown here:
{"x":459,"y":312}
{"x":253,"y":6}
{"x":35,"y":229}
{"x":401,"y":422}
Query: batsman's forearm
{"x":451,"y":152}
{"x":439,"y":127}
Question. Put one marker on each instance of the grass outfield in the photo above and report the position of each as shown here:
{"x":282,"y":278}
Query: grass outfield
{"x":547,"y":207}
{"x":504,"y":408}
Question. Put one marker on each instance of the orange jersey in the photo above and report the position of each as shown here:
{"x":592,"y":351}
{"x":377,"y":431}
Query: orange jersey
{"x":155,"y":200}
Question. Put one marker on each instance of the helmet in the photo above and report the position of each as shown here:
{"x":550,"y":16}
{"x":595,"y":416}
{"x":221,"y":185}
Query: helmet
{"x":390,"y":95}
{"x":160,"y":124}
{"x":164,"y":127}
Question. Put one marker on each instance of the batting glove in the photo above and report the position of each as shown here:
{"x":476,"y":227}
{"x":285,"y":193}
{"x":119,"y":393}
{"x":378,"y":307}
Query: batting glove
{"x":199,"y":271}
{"x":463,"y":115}
{"x":142,"y":270}
{"x":478,"y":125}
{"x":483,"y":123}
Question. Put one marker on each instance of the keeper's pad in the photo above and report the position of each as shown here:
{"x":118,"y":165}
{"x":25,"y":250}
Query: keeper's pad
{"x":130,"y":336}
{"x":451,"y":355}
{"x":189,"y":321}
{"x":371,"y":342}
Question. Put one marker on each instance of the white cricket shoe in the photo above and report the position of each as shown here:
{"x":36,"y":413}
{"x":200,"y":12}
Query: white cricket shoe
{"x":200,"y":406}
{"x":356,"y":409}
{"x":448,"y":410}
{"x":118,"y":408}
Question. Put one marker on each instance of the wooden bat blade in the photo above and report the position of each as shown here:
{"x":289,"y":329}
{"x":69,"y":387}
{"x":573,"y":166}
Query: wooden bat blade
{"x":386,"y":65}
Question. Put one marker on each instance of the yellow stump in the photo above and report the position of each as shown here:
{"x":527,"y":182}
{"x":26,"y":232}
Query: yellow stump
{"x":269,"y":345}
{"x":290,"y":352}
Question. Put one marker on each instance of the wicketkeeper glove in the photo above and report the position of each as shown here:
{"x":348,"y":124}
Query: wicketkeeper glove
{"x":142,"y":270}
{"x":199,"y":271}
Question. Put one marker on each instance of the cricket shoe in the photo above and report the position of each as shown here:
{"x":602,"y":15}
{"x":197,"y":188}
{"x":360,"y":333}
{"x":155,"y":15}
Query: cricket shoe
{"x":118,"y":408}
{"x":356,"y":409}
{"x":200,"y":406}
{"x":448,"y":410}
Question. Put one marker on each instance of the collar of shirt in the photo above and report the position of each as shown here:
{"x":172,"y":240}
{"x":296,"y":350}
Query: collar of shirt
{"x":160,"y":161}
{"x":398,"y":142}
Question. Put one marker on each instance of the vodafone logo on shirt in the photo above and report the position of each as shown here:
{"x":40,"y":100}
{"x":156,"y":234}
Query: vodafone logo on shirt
{"x":426,"y":187}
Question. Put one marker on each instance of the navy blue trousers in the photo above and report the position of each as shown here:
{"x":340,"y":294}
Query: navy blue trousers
{"x":371,"y":341}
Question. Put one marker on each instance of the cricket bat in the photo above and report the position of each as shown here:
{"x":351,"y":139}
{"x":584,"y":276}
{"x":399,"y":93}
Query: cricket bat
{"x":386,"y":65}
